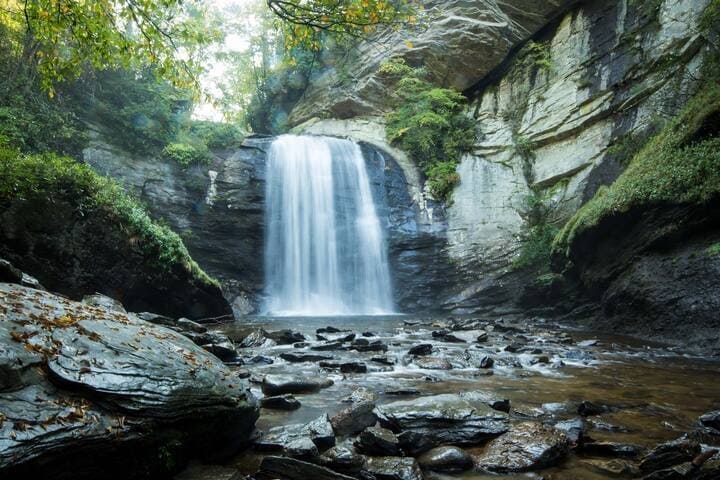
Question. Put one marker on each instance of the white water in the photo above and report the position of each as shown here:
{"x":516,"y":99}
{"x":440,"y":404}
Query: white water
{"x":324,"y":247}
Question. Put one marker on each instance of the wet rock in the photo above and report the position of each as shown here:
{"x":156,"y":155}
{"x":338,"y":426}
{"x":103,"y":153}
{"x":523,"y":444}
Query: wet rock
{"x":413,"y":443}
{"x":365,"y":346}
{"x":668,"y":454}
{"x":369,"y":334}
{"x":393,"y":468}
{"x":433,"y":363}
{"x":378,"y":441}
{"x":710,"y":419}
{"x":459,"y":419}
{"x":190,"y":326}
{"x":513,"y":347}
{"x":105,"y":365}
{"x":286,"y":437}
{"x":330,"y":329}
{"x":353,"y":367}
{"x":328,"y":346}
{"x":285,"y":468}
{"x":354,"y":419}
{"x":614,"y":467}
{"x":279,"y":384}
{"x":257,"y":338}
{"x":613,"y":449}
{"x":402,"y":392}
{"x":260,"y":359}
{"x":422,"y":349}
{"x":343,"y":459}
{"x":446,"y":459}
{"x":527,"y":446}
{"x":710,"y":469}
{"x":482,"y":337}
{"x":156,"y":319}
{"x":411,"y":323}
{"x":341,"y":338}
{"x":587,"y":343}
{"x":285,"y":337}
{"x":676,"y":472}
{"x":540,"y":360}
{"x":301,"y":345}
{"x":587,"y":409}
{"x":303,"y":357}
{"x":209,"y":472}
{"x":8,"y":273}
{"x":225,"y":351}
{"x":280,"y":402}
{"x":382,"y":360}
{"x":446,"y":336}
{"x":574,"y":429}
{"x":103,"y":301}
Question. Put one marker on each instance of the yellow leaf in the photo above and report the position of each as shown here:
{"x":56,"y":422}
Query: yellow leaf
{"x":408,"y":44}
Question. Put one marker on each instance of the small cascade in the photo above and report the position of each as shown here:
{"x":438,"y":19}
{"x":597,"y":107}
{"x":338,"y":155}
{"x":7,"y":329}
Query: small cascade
{"x":324,"y":247}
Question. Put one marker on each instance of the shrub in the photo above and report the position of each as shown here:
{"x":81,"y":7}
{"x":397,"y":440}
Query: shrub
{"x":49,"y":176}
{"x":429,"y":124}
{"x":185,"y":155}
{"x":216,"y":134}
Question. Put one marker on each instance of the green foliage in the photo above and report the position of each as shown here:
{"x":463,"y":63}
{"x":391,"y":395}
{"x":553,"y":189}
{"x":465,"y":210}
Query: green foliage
{"x":140,"y":112}
{"x":537,"y":247}
{"x":185,"y":155}
{"x":215,"y":135}
{"x":649,"y":9}
{"x":62,"y":39}
{"x":52,"y":177}
{"x":303,"y":21}
{"x":429,"y":123}
{"x":536,"y":55}
{"x":713,"y":250}
{"x":680,"y":165}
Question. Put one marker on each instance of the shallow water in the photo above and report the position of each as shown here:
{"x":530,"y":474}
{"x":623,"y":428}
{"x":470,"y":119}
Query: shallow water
{"x":658,"y":393}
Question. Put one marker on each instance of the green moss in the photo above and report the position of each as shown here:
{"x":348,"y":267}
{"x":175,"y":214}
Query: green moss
{"x":537,"y":248}
{"x":52,"y":177}
{"x":679,"y":165}
{"x":713,"y":250}
{"x":429,"y":124}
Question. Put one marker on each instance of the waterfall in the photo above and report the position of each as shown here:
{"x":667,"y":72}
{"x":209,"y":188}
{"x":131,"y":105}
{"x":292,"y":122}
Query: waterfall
{"x":324,"y":245}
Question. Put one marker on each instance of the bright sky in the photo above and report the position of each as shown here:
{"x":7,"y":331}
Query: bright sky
{"x":217,"y":70}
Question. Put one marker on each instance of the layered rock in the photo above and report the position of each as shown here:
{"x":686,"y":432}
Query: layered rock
{"x":90,"y":392}
{"x":459,"y":42}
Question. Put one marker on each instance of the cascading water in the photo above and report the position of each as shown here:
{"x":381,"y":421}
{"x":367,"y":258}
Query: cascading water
{"x":324,"y":247}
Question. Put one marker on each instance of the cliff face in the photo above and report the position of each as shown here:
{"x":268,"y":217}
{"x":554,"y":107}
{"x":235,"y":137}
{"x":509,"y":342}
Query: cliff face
{"x":459,"y":42}
{"x":557,"y":120}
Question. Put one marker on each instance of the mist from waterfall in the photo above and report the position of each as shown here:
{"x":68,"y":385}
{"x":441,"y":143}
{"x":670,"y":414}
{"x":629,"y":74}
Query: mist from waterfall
{"x":324,"y":245}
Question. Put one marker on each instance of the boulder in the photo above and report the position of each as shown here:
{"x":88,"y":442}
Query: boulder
{"x":527,"y":446}
{"x":433,"y":363}
{"x":354,"y":419}
{"x":446,"y":459}
{"x":457,"y":419}
{"x":103,"y":301}
{"x":279,"y":384}
{"x":96,"y":393}
{"x":280,"y":402}
{"x":285,"y":337}
{"x":422,"y":349}
{"x":286,"y":437}
{"x":342,"y":459}
{"x":378,"y":441}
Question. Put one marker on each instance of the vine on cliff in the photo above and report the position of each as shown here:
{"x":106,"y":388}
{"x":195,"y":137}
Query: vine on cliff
{"x":429,"y":123}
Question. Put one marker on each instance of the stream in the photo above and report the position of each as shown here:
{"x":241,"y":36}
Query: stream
{"x":651,"y":393}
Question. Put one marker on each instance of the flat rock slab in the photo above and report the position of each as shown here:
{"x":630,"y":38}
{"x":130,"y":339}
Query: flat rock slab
{"x":284,"y":468}
{"x":279,"y":384}
{"x":354,"y":419}
{"x":527,"y":446}
{"x":461,"y":419}
{"x":290,"y":438}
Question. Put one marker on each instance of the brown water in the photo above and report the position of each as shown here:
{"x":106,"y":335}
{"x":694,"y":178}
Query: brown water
{"x":658,"y":393}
